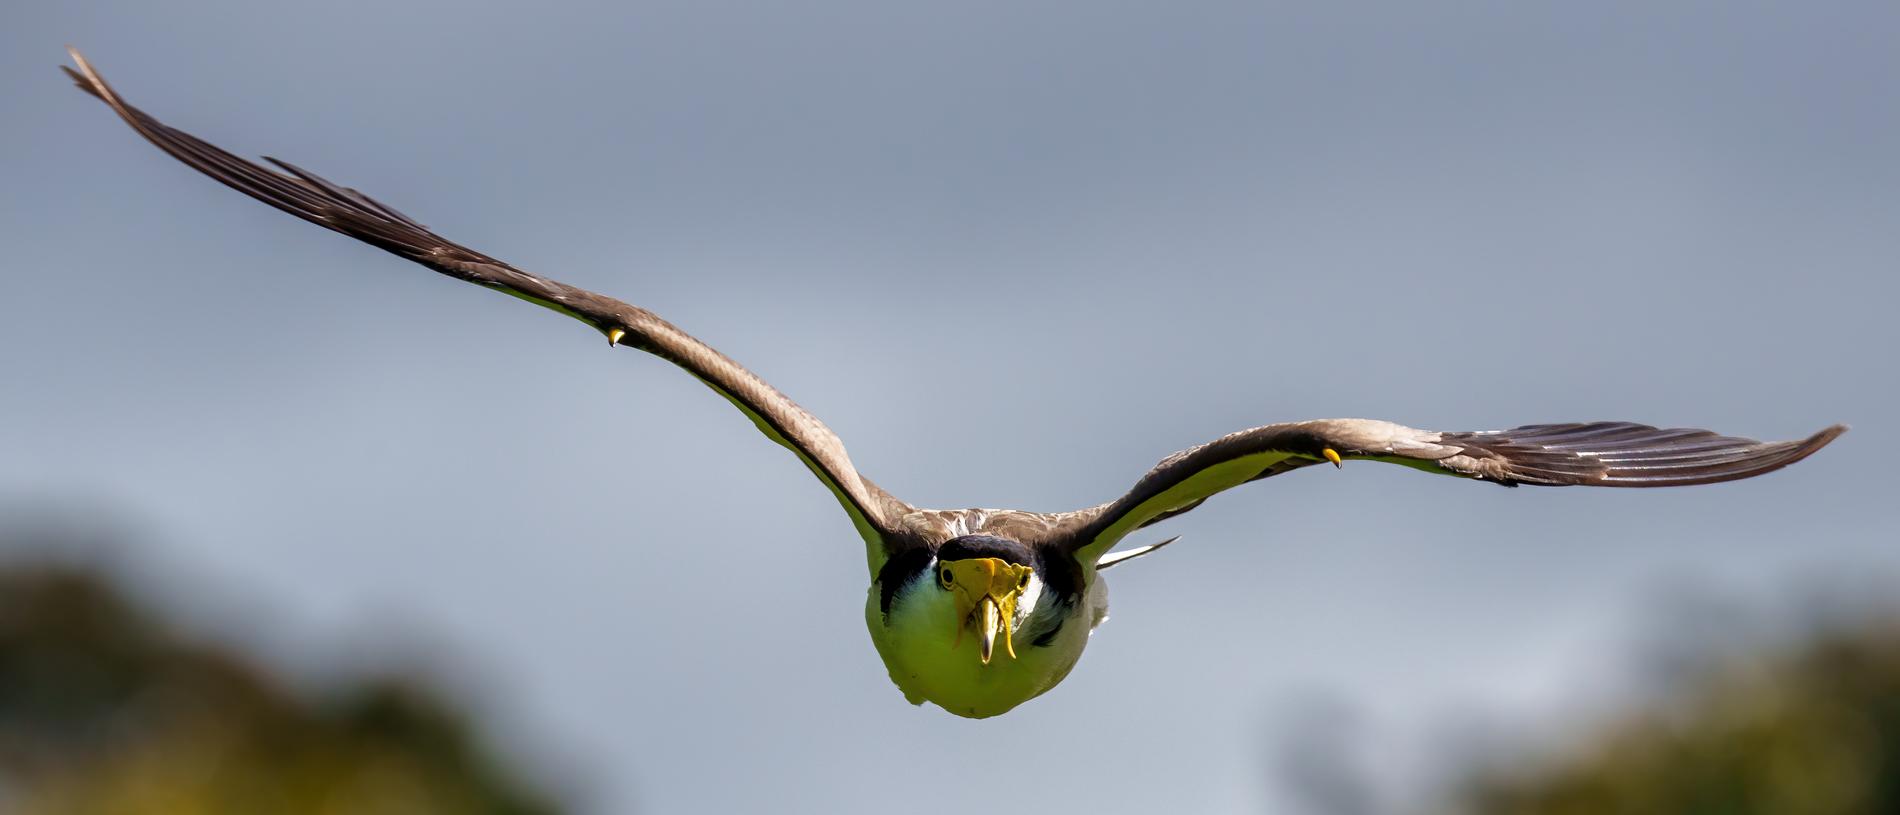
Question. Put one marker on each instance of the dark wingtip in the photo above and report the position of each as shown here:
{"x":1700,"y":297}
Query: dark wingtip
{"x":1789,"y":452}
{"x":1821,"y":439}
{"x":84,"y":77}
{"x":1798,"y":450}
{"x":80,"y":80}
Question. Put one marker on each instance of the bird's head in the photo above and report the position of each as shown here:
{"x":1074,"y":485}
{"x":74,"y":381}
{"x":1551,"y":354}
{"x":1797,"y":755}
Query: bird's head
{"x":993,"y":587}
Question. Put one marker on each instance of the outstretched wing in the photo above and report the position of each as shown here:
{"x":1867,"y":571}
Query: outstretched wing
{"x":1598,"y":454}
{"x":344,"y":210}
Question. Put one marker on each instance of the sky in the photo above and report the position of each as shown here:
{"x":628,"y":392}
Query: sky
{"x":1013,"y":254}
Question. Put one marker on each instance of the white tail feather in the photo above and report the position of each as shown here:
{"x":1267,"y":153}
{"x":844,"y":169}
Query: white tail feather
{"x":1113,"y":558}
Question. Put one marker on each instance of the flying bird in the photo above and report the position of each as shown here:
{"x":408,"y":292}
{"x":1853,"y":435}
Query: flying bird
{"x":980,"y":610}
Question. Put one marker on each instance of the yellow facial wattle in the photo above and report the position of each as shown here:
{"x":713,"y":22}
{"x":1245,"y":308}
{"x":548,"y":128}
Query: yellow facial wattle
{"x":986,"y":591}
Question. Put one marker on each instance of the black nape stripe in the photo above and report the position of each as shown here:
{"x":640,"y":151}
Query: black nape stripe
{"x":899,"y":570}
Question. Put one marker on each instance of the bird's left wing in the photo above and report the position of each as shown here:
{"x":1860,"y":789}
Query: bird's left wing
{"x":301,"y":193}
{"x":1600,"y":454}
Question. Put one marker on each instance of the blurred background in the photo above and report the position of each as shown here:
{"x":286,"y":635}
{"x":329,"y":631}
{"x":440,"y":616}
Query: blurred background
{"x":289,"y":525}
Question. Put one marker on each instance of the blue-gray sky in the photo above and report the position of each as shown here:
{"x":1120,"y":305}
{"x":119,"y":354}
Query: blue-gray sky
{"x":1013,"y":255}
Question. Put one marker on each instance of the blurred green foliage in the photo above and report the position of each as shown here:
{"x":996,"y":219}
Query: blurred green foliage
{"x":104,"y":710}
{"x":1813,"y":729}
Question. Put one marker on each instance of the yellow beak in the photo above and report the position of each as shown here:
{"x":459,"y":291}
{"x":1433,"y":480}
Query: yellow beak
{"x":986,"y":591}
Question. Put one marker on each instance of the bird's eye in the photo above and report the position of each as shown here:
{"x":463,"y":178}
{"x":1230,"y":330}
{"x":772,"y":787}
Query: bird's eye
{"x":1022,"y":582}
{"x":944,"y":575}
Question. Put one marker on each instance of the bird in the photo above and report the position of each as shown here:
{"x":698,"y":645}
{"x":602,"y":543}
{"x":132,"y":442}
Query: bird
{"x":980,"y":610}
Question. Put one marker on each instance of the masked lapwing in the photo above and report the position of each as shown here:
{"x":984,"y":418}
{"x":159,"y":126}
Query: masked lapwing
{"x":979,"y":610}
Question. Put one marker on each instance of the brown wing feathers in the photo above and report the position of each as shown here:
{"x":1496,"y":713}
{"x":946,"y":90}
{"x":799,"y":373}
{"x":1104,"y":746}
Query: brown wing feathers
{"x":341,"y":209}
{"x":1610,"y":454}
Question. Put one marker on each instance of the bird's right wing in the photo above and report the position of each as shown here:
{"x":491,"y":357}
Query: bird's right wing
{"x":301,"y":193}
{"x":1600,"y":454}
